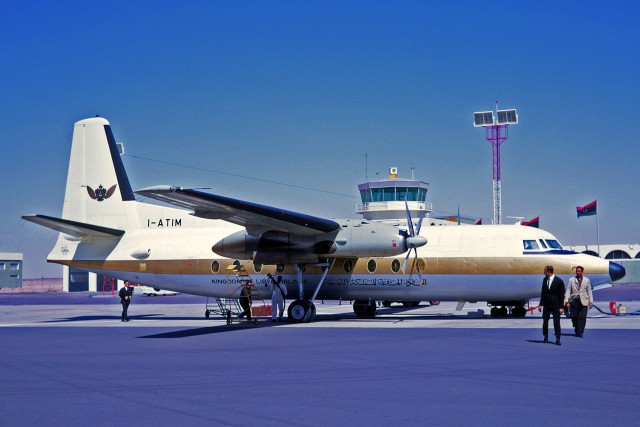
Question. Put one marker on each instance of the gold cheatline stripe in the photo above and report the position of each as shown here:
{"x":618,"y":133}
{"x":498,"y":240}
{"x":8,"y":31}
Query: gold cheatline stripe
{"x":473,"y":265}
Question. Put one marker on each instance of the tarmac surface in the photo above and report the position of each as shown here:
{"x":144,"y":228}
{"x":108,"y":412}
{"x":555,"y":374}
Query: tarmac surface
{"x":68,"y":359}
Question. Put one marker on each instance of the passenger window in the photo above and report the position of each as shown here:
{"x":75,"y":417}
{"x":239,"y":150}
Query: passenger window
{"x":554,"y":244}
{"x":530,"y":245}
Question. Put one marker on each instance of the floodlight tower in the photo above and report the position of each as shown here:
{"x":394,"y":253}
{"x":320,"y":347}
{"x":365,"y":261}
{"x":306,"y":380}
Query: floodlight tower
{"x":496,"y":132}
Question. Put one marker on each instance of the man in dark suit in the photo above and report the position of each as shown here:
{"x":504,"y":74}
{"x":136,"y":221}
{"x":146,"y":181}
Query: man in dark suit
{"x":125,"y":299}
{"x":552,"y":301}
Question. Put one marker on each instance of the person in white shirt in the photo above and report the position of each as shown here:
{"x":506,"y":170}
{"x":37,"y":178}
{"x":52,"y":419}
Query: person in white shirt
{"x":278,"y":292}
{"x":579,"y":299}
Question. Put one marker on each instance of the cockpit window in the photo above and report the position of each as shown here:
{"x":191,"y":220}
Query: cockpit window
{"x":554,"y":244}
{"x":530,"y":245}
{"x":543,"y":244}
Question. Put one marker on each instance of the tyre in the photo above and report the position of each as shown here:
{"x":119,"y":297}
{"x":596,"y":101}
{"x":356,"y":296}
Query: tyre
{"x":297,"y":311}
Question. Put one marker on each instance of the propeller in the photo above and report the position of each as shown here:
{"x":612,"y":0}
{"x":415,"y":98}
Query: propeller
{"x":413,"y":240}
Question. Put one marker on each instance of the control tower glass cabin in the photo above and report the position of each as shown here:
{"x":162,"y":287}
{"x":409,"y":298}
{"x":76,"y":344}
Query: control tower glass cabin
{"x":384,"y":200}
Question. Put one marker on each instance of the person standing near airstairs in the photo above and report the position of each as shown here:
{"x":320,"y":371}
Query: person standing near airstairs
{"x":278,"y":292}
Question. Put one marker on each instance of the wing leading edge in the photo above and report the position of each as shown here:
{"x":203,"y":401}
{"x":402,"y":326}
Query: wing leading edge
{"x":254,"y":217}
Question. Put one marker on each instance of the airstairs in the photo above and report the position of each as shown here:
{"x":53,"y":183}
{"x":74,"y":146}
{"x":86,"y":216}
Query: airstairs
{"x":230,"y":307}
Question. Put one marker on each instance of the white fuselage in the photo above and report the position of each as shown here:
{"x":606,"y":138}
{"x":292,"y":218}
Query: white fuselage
{"x":170,"y":249}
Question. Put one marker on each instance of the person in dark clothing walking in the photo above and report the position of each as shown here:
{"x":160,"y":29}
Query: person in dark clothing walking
{"x":125,"y":299}
{"x":552,"y":301}
{"x":245,"y":302}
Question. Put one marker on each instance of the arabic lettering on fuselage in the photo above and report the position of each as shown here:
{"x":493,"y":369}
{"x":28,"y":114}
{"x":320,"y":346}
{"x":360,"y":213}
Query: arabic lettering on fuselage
{"x":337,"y":281}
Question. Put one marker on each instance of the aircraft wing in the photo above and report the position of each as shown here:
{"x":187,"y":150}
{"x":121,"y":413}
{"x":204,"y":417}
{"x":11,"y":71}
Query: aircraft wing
{"x":254,"y":217}
{"x":73,"y":228}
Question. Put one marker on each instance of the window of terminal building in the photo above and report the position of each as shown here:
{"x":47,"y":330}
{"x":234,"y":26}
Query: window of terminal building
{"x":14,"y":266}
{"x":78,"y":280}
{"x":2,"y":266}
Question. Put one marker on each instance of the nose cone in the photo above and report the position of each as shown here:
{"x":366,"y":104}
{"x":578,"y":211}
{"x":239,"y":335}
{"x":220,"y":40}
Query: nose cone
{"x":616,"y":271}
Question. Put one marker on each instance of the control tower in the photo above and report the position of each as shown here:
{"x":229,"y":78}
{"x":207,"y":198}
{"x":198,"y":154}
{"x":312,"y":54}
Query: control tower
{"x":384,"y":200}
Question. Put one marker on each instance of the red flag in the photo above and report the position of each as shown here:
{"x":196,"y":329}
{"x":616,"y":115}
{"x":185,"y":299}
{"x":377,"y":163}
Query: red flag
{"x":479,"y":222}
{"x":535,"y":222}
{"x":586,"y":210}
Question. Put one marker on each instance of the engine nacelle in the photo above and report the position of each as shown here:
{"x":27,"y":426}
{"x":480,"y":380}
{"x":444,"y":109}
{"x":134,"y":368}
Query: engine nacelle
{"x":274,"y":247}
{"x":356,"y":238}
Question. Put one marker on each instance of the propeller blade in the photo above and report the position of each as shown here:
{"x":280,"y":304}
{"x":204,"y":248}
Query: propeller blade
{"x":418,"y":262}
{"x":419,"y":223}
{"x":404,"y":264}
{"x":409,"y":221}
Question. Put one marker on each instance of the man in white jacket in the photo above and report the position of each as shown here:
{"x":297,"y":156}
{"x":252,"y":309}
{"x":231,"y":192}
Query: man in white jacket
{"x":579,"y":298}
{"x":278,"y":292}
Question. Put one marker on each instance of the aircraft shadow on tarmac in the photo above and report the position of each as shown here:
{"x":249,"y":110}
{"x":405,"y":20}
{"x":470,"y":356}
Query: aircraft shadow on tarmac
{"x":117,"y":317}
{"x":186,"y":333}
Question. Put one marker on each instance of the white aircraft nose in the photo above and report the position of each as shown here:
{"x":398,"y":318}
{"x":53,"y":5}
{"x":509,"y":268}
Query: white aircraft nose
{"x":416,"y":241}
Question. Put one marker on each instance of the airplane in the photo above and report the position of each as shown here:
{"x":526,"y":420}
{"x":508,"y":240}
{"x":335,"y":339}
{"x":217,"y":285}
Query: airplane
{"x":191,"y":245}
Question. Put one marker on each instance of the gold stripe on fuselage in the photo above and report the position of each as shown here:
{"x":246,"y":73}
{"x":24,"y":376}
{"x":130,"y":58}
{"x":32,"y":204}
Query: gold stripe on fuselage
{"x":563,"y":264}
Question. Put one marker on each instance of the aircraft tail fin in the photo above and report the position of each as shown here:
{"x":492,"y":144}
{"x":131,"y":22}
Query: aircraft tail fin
{"x":97,"y":184}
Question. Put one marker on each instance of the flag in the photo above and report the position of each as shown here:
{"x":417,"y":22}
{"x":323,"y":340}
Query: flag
{"x":535,"y":222}
{"x":479,"y":222}
{"x":586,"y":210}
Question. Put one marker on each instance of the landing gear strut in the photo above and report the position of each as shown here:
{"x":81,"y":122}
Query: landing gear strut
{"x":303,"y":310}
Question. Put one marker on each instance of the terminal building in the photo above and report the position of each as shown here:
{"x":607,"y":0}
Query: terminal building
{"x":10,"y":270}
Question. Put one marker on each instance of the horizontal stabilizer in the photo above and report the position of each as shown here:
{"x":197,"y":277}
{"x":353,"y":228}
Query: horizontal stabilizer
{"x":73,"y":228}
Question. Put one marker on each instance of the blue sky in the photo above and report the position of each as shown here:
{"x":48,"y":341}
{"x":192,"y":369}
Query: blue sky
{"x":298,"y":92}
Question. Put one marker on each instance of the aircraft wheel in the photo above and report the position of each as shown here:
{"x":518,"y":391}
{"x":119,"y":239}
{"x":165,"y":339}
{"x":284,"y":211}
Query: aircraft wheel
{"x":434,"y":302}
{"x":297,"y":311}
{"x":371,"y":309}
{"x":495,"y":312}
{"x":519,"y":311}
{"x":312,"y":312}
{"x":206,"y":314}
{"x":502,"y":312}
{"x":364,"y":309}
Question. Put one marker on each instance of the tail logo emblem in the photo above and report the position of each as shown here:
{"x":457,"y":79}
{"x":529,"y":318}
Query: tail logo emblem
{"x":101,"y":193}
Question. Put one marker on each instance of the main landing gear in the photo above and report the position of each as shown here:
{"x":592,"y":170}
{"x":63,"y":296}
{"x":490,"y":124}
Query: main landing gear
{"x":501,"y":309}
{"x":303,"y":310}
